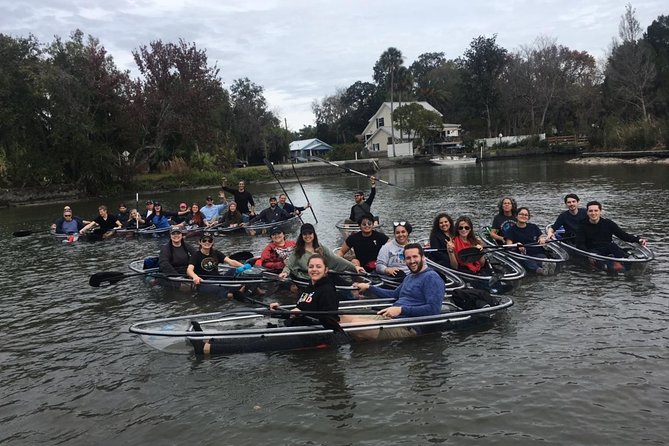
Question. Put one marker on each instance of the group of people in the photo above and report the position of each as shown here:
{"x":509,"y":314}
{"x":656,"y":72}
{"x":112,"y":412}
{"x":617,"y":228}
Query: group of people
{"x":225,"y":214}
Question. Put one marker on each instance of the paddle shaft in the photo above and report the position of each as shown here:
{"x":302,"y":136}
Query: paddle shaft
{"x":270,"y":167}
{"x":347,"y":169}
{"x":303,"y":191}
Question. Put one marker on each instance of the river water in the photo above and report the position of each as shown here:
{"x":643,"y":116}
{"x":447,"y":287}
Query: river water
{"x":581,"y":358}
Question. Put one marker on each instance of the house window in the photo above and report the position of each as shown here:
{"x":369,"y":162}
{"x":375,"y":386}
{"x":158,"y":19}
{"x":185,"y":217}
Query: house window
{"x":367,"y":136}
{"x":379,"y":122}
{"x":375,"y":147}
{"x":390,"y":140}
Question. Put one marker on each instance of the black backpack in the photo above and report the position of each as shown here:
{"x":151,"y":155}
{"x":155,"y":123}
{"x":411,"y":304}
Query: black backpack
{"x":473,"y":299}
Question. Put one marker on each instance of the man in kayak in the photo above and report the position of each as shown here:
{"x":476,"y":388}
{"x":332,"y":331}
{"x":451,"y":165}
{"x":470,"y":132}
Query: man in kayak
{"x":288,"y":207}
{"x":106,"y":223}
{"x":68,"y":224}
{"x":272,"y":214}
{"x":362,"y":206}
{"x":366,"y":244}
{"x":570,"y":219}
{"x":420,"y":294}
{"x":212,"y":211}
{"x":595,"y":234}
{"x":243,"y":198}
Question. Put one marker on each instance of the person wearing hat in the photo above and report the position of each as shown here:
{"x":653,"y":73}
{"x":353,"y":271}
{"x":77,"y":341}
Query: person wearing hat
{"x":390,"y":260}
{"x":362,"y":206}
{"x":307,"y":245}
{"x":366,"y":244}
{"x":212,"y":211}
{"x":175,"y":255}
{"x":272,"y":214}
{"x":149,"y":210}
{"x":243,"y":198}
{"x":205,"y":261}
{"x":232,"y":217}
{"x":274,"y":256}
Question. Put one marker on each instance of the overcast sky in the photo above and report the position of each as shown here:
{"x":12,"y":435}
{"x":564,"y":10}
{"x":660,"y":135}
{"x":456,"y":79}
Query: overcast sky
{"x":301,"y":50}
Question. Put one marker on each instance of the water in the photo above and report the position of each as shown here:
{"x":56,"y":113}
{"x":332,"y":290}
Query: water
{"x":580,"y":359}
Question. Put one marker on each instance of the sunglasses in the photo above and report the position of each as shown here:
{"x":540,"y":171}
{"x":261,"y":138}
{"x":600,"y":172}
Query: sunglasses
{"x":366,"y":223}
{"x":464,"y":228}
{"x":67,"y":215}
{"x":207,"y":240}
{"x":399,"y":223}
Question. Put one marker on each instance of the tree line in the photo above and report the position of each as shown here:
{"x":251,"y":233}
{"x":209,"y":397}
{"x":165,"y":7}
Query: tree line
{"x":69,"y":115}
{"x":544,"y":87}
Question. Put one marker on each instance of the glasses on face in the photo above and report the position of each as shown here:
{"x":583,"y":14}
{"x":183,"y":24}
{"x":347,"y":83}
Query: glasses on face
{"x":207,"y":240}
{"x":67,"y":215}
{"x":399,"y":223}
{"x":464,"y":228}
{"x":366,"y":223}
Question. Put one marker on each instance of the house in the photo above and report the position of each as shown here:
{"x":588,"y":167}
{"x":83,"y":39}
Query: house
{"x":378,"y":135}
{"x":308,"y":147}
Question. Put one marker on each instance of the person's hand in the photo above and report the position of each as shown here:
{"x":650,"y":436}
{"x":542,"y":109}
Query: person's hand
{"x":643,"y":241}
{"x":307,"y":206}
{"x":283,"y":275}
{"x":372,"y":180}
{"x":450,"y":246}
{"x":197,"y":280}
{"x":542,"y":240}
{"x":391,"y":271}
{"x":361,"y":286}
{"x":274,"y":306}
{"x":390,"y":312}
{"x":360,"y":269}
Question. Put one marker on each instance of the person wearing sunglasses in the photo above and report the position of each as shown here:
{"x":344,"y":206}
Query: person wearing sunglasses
{"x":175,"y":255}
{"x":205,"y":261}
{"x":362,"y":206}
{"x":68,"y":223}
{"x":443,"y":231}
{"x":505,"y":218}
{"x":390,"y":260}
{"x":365,"y":243}
{"x":465,"y":238}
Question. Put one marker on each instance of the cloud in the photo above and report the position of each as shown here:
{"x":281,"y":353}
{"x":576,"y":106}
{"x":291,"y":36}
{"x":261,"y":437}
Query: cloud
{"x":302,"y":50}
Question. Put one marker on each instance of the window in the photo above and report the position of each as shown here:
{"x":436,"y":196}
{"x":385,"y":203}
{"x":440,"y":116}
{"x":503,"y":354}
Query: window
{"x":375,"y":147}
{"x":379,"y":122}
{"x":390,"y":140}
{"x":367,"y":136}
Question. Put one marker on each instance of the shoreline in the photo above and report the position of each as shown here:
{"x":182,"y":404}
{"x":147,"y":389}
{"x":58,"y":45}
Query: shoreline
{"x":35,"y":196}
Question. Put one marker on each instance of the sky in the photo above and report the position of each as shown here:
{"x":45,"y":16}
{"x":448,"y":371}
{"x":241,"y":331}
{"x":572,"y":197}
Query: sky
{"x":303,"y":50}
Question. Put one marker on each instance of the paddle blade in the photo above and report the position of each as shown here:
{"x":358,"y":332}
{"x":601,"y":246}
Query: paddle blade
{"x":108,"y":277}
{"x":22,"y":233}
{"x":469,"y":255}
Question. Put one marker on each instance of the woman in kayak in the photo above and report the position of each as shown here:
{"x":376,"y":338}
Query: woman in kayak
{"x":320,"y":295}
{"x":442,"y":232}
{"x":527,"y":233}
{"x":466,"y":238}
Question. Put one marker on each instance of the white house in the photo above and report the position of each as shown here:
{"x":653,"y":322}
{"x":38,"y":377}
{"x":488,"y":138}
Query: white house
{"x":308,"y":147}
{"x":379,"y":136}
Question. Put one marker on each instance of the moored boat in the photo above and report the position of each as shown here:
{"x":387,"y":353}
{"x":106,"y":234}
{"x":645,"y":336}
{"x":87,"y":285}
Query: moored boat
{"x":255,"y":330}
{"x":453,"y":160}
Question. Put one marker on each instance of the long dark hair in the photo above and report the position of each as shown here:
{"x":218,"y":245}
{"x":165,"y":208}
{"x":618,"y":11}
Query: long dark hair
{"x":514,"y":206}
{"x":471,"y":237}
{"x":300,"y":247}
{"x":436,"y":232}
{"x":196,"y":217}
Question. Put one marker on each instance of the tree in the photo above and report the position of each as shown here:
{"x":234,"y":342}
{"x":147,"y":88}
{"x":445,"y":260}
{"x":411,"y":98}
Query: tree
{"x":185,"y":105}
{"x":253,"y":122}
{"x":415,"y":118}
{"x":385,"y":71}
{"x":483,"y":64}
{"x":630,"y":70}
{"x":657,"y":37}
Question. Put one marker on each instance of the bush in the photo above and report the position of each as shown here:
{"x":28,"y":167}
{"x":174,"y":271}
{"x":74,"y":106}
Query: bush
{"x":175,"y":166}
{"x":344,"y":151}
